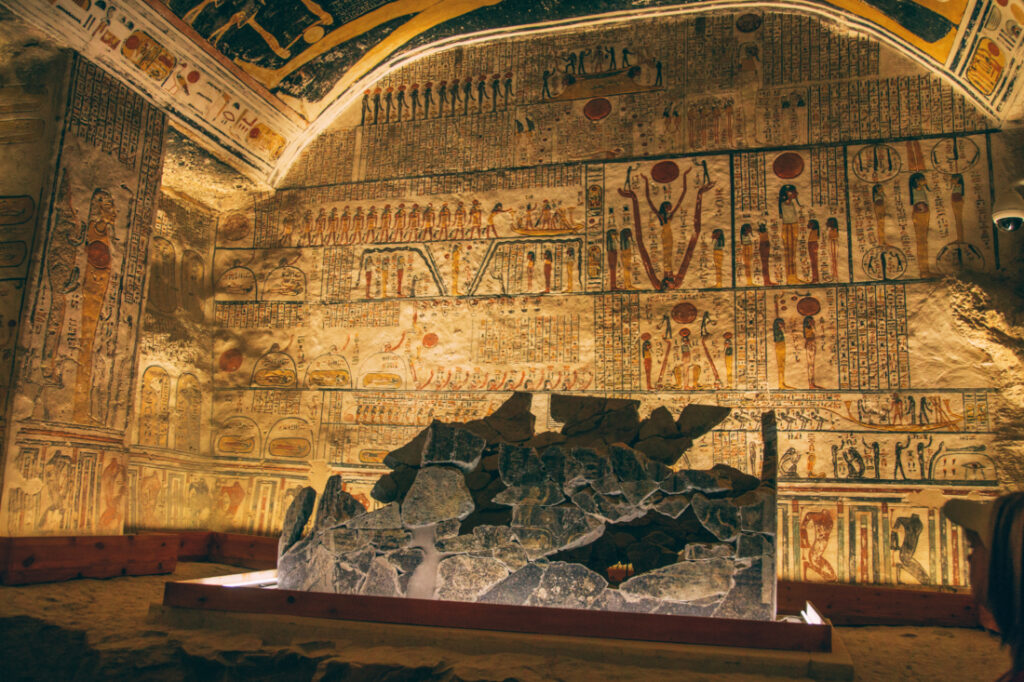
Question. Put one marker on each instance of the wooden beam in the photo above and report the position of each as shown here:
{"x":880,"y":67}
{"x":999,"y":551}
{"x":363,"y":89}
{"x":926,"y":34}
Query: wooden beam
{"x":194,"y":545}
{"x":251,"y":551}
{"x":47,"y":559}
{"x":196,"y":594}
{"x":878,"y":605}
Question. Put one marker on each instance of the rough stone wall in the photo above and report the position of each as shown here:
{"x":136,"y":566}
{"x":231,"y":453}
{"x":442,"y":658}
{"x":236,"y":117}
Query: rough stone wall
{"x":73,"y":385}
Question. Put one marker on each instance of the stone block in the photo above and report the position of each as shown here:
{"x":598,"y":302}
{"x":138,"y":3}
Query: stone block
{"x":453,"y":445}
{"x":295,"y":519}
{"x":696,"y":420}
{"x":385,"y":518}
{"x":466,"y":578}
{"x":544,"y":493}
{"x":708,"y":550}
{"x":567,"y":586}
{"x":381,"y":580}
{"x":336,"y":506}
{"x":516,"y":588}
{"x":719,"y":516}
{"x":545,"y":530}
{"x":686,"y":581}
{"x":437,"y":494}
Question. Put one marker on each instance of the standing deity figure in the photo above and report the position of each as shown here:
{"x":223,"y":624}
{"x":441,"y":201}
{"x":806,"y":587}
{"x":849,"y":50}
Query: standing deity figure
{"x":921,"y":217}
{"x":95,"y":282}
{"x":789,"y":215}
{"x":63,"y":276}
{"x":747,"y":252}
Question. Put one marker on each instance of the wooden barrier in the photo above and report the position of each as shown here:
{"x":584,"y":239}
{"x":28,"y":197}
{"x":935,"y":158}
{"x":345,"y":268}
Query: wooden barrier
{"x":48,"y":559}
{"x":234,"y":594}
{"x":250,"y":551}
{"x":874,"y":605}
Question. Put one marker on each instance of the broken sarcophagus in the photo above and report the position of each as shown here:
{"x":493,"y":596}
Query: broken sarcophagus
{"x":599,"y":516}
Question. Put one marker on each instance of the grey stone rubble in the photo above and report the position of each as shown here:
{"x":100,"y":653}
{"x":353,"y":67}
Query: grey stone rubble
{"x":597,"y":516}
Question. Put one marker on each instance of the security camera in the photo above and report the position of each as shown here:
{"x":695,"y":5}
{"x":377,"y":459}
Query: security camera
{"x":1008,"y":210}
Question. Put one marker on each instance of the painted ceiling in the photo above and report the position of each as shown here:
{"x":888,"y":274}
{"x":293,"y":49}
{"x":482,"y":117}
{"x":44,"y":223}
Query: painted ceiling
{"x":259,"y":79}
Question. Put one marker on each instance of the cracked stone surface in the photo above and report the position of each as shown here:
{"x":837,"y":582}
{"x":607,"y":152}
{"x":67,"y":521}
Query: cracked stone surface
{"x":385,"y":518}
{"x":545,"y":493}
{"x":295,"y":519}
{"x":438,"y":494}
{"x":567,"y":586}
{"x":453,"y":445}
{"x":516,"y":588}
{"x":336,"y":506}
{"x":720,"y":516}
{"x":545,"y":530}
{"x":686,"y":581}
{"x":592,"y":518}
{"x":465,"y":578}
{"x":381,"y":579}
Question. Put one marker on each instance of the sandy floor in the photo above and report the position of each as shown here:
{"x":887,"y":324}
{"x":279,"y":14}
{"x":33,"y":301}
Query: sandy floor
{"x":96,"y":629}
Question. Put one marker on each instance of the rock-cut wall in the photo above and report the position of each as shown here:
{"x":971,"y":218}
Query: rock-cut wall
{"x":72,"y":390}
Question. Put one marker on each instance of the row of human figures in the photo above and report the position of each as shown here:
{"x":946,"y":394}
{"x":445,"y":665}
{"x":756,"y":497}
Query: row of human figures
{"x":392,"y":104}
{"x":391,"y":224}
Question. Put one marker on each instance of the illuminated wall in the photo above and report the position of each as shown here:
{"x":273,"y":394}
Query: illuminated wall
{"x":753,"y":211}
{"x":72,"y":387}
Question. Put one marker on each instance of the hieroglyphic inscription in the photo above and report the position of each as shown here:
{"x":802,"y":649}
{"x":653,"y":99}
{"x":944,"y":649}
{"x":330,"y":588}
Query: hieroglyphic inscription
{"x":872,"y":337}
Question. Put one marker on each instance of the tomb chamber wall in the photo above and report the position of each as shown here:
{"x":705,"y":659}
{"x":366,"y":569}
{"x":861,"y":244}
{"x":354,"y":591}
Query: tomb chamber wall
{"x":758,"y":211}
{"x":88,"y":154}
{"x":754,"y":211}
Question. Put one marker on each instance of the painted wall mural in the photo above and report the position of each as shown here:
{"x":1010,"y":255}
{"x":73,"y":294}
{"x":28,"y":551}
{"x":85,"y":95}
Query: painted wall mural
{"x":747,"y":209}
{"x":31,"y":94}
{"x":65,"y":460}
{"x":258,"y":78}
{"x":771,"y":238}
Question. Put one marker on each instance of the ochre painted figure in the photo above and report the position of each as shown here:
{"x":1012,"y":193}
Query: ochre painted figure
{"x":95,"y":282}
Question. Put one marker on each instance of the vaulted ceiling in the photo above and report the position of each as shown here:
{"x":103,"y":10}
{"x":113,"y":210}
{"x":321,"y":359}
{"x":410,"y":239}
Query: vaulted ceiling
{"x":257,"y":80}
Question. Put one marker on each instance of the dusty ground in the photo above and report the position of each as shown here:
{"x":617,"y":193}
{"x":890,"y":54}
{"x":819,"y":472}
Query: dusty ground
{"x":96,"y":629}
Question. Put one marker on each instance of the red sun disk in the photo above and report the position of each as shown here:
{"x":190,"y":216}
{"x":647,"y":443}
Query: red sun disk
{"x":665,"y":171}
{"x":788,"y":165}
{"x":230,"y":360}
{"x":597,"y":108}
{"x":684,"y":313}
{"x":808,"y":306}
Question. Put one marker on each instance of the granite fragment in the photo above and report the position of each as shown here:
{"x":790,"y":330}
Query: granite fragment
{"x":438,"y":493}
{"x":453,"y":445}
{"x":685,"y":581}
{"x":567,"y":586}
{"x":385,"y":518}
{"x":516,"y":588}
{"x":295,"y":519}
{"x":720,"y":516}
{"x":465,"y":578}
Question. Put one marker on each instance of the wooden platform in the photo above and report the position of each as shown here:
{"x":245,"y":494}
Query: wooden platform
{"x":250,"y":602}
